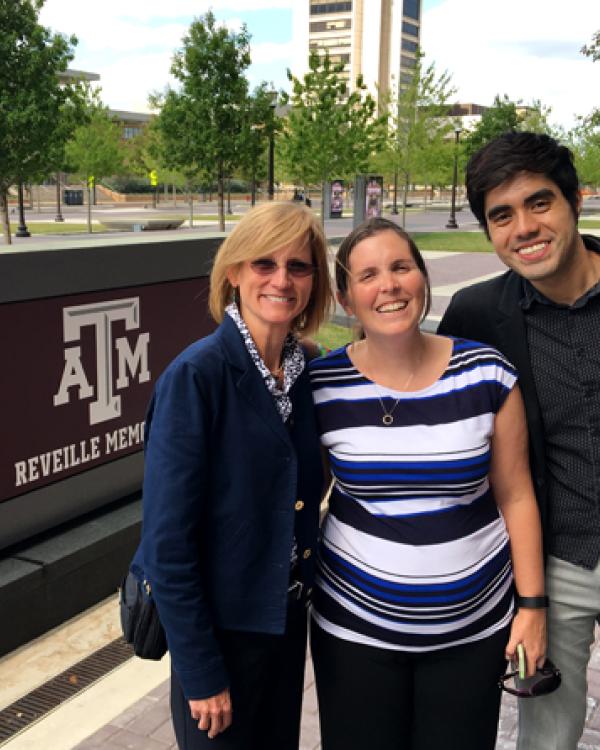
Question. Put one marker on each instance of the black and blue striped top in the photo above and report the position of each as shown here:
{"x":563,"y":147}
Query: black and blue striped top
{"x":414,"y":553}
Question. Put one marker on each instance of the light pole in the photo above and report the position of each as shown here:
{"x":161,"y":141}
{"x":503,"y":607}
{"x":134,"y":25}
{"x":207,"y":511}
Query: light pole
{"x":22,"y":230}
{"x":395,"y":206}
{"x":271,"y":174}
{"x":452,"y":220}
{"x":59,"y":216}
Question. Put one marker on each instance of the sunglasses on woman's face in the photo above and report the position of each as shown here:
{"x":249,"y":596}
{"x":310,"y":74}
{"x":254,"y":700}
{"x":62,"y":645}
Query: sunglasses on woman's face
{"x":295,"y":268}
{"x":546,"y":680}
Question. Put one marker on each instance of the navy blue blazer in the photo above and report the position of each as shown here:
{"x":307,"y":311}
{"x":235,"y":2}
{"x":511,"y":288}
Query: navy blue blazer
{"x":223,"y":477}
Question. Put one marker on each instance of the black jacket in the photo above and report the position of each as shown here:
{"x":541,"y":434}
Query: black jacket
{"x":490,"y":312}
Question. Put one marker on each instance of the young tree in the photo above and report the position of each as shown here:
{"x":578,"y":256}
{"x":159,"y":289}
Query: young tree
{"x":535,"y":119}
{"x":201,"y":123}
{"x":31,"y":96}
{"x":95,"y":151}
{"x":144,"y":152}
{"x":501,"y":117}
{"x":330,"y":132}
{"x":585,"y":143}
{"x":593,"y":50}
{"x":258,"y":128}
{"x":506,"y":115}
{"x":418,"y":128}
{"x":75,"y":112}
{"x":178,"y":142}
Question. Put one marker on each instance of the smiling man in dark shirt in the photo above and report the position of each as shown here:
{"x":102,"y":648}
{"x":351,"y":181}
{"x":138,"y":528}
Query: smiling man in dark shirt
{"x":544,"y":315}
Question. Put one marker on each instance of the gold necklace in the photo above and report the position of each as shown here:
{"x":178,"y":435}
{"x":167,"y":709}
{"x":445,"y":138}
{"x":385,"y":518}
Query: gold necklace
{"x":388,"y":416}
{"x":277,"y":375}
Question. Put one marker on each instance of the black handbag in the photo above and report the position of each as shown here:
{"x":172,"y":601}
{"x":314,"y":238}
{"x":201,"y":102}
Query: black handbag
{"x":139,"y":619}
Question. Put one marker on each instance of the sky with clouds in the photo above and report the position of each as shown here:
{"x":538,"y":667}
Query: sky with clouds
{"x":528,"y":49}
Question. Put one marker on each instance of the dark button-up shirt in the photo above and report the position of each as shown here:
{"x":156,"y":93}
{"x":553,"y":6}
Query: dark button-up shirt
{"x":564,"y":349}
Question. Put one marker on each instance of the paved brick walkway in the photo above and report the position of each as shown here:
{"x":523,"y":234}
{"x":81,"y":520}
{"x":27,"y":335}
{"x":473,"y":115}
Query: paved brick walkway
{"x":147,"y":725}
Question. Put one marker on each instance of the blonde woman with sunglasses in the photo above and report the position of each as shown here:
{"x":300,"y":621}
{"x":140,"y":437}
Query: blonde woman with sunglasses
{"x":232,"y":487}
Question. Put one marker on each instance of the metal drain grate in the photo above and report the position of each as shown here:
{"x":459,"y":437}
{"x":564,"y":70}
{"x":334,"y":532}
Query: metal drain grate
{"x":42,"y":700}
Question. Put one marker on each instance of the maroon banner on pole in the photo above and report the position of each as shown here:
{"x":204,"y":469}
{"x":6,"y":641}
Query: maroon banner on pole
{"x":374,"y":197}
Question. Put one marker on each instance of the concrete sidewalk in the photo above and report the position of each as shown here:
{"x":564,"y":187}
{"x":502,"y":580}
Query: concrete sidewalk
{"x":129,"y":707}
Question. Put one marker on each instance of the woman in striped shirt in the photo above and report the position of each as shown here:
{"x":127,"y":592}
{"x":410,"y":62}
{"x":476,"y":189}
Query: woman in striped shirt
{"x":431,"y":519}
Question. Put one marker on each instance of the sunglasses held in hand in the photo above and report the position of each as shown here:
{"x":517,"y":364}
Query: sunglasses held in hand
{"x":546,"y":680}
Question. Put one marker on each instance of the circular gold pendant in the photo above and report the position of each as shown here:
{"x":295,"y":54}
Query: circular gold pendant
{"x":387,"y":419}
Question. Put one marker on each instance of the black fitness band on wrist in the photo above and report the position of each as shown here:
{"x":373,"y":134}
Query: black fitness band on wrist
{"x":532,"y":602}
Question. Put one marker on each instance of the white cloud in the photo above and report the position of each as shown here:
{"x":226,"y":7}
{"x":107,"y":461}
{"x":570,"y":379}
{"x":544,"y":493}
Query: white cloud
{"x":271,"y":52}
{"x":528,"y":49}
{"x":131,"y":43}
{"x":130,"y":92}
{"x":83,"y":16}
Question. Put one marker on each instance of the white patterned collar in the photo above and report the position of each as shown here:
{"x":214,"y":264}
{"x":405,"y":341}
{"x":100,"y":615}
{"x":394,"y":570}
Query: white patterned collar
{"x":292,"y":361}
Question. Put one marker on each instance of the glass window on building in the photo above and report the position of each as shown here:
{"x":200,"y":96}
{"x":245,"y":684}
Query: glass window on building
{"x":410,"y":28}
{"x":342,"y":23}
{"x":412,"y":8}
{"x":129,"y":132}
{"x":317,"y":8}
{"x":409,"y":46}
{"x":407,"y":62}
{"x":406,"y":79}
{"x":340,"y":59}
{"x":330,"y":42}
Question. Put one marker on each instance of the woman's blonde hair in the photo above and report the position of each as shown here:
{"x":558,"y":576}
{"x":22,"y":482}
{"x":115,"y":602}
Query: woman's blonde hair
{"x":262,"y":231}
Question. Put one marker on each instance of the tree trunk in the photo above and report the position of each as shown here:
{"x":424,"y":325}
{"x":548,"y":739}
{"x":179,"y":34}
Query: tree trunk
{"x":5,"y":219}
{"x":191,"y":204}
{"x":395,"y":206}
{"x":221,"y":200}
{"x":323,"y":184}
{"x":404,"y":200}
{"x":174,"y":194}
{"x":229,"y":211}
{"x":253,"y":202}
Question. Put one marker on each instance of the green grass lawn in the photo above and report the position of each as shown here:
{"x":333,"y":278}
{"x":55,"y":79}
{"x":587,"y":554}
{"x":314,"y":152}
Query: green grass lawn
{"x":51,"y":227}
{"x":589,"y":223}
{"x":461,"y":242}
{"x":333,"y":336}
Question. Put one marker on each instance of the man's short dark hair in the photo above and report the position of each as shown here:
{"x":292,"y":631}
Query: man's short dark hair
{"x":511,"y":153}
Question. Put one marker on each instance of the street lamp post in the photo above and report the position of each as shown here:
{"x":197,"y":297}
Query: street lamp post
{"x":452,"y":220}
{"x":22,"y":230}
{"x":271,"y":174}
{"x":271,"y":188}
{"x":59,"y":216}
{"x":395,"y":206}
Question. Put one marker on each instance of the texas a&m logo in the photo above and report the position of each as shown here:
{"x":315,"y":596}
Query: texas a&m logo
{"x":130,"y":363}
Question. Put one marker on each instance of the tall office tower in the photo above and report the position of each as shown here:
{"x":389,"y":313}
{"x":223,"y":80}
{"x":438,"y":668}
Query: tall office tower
{"x":375,"y":38}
